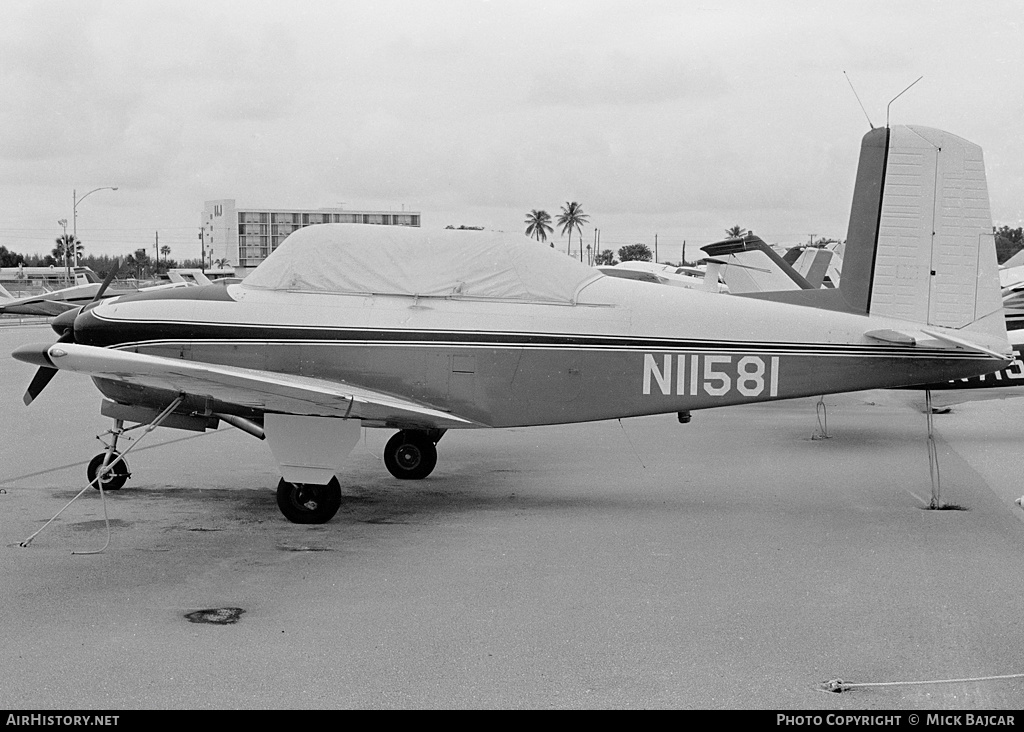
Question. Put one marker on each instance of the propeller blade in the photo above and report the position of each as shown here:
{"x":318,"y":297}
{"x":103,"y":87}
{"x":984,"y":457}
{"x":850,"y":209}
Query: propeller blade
{"x":39,"y":382}
{"x":39,"y":355}
{"x":107,"y":280}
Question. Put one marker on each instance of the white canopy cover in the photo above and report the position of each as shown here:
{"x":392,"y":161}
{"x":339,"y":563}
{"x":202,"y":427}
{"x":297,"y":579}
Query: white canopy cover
{"x":400,"y":260}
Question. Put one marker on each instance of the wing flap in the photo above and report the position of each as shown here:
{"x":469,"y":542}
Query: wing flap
{"x":254,"y":388}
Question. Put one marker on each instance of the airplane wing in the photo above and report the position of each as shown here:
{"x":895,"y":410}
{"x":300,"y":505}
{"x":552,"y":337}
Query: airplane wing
{"x":36,"y":306}
{"x":254,"y":388}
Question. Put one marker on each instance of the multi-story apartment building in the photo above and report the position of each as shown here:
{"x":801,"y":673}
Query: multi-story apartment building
{"x":244,"y":237}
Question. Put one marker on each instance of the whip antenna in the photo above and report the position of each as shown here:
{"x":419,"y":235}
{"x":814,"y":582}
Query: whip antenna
{"x":858,"y":101}
{"x":897,"y":97}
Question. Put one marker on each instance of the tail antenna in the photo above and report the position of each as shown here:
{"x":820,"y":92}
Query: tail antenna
{"x":858,"y":100}
{"x":897,"y":97}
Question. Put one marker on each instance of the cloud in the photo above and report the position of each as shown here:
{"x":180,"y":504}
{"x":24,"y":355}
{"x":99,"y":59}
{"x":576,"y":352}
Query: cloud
{"x":626,"y":79}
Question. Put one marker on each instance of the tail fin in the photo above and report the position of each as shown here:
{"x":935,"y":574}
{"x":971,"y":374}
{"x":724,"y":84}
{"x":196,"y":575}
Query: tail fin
{"x":919,"y":246}
{"x":813,"y":264}
{"x":935,"y":261}
{"x":4,"y":294}
{"x":748,"y":265}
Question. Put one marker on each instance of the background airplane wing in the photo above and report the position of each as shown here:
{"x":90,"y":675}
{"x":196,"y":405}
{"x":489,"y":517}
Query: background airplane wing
{"x":36,"y":306}
{"x":258,"y":389}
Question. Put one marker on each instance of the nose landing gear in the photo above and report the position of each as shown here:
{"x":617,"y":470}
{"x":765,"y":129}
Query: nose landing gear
{"x":112,"y":473}
{"x":109,"y":468}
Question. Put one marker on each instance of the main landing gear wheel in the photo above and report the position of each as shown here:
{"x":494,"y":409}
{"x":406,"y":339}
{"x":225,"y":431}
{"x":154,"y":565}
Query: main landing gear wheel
{"x":410,"y":455}
{"x":115,"y":477}
{"x":307,"y":503}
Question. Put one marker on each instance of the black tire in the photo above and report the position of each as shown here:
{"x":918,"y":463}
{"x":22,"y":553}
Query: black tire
{"x":410,"y":455}
{"x":308,"y":503}
{"x":117,"y":476}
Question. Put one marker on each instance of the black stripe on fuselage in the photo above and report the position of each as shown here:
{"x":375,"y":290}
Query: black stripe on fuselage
{"x":131,"y":334}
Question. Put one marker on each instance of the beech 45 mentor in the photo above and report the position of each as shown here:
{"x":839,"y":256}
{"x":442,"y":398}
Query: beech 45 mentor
{"x":348,"y":326}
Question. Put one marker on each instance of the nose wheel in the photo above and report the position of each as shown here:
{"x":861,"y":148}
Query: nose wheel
{"x":113,"y":477}
{"x":410,"y":455}
{"x":111,"y":471}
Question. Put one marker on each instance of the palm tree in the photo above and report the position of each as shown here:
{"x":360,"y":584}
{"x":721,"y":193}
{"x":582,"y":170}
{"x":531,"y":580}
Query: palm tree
{"x":69,"y":249}
{"x":572,"y":217}
{"x":538,"y":225}
{"x":166,"y":251}
{"x":735,"y":232}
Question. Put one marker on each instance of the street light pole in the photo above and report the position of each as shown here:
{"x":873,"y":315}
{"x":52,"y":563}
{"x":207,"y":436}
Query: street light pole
{"x":64,"y":224}
{"x":75,"y":200}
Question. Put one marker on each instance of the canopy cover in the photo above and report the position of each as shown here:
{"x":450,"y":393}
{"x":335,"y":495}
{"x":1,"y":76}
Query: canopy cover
{"x":400,"y":260}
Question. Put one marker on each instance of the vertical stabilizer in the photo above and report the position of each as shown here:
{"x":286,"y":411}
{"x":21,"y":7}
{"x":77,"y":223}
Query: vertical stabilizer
{"x":919,"y":246}
{"x":935,"y":261}
{"x":862,"y":232}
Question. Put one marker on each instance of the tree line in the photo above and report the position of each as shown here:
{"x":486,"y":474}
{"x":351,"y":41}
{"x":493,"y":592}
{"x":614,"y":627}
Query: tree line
{"x":70,"y":252}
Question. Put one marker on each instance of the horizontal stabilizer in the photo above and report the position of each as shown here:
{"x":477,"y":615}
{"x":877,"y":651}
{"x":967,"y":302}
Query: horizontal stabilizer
{"x":964,"y":343}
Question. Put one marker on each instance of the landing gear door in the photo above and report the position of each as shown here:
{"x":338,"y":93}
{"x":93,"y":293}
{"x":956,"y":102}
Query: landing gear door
{"x":310,"y":449}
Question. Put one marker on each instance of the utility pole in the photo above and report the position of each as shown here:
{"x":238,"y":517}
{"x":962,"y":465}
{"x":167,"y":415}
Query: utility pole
{"x":655,"y":248}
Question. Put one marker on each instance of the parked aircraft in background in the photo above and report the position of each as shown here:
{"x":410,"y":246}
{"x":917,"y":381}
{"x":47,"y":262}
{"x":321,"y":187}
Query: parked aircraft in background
{"x":347,"y":326}
{"x":692,"y":278}
{"x":199,"y":277}
{"x":53,"y":302}
{"x":747,"y":264}
{"x":1012,"y":281}
{"x":820,"y":266}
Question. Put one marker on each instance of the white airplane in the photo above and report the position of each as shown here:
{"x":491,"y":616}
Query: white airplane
{"x":190,"y":276}
{"x":53,"y":302}
{"x":348,"y":326}
{"x":88,"y":288}
{"x":665,"y":274}
{"x":747,"y":265}
{"x":186,"y":276}
{"x":818,"y":265}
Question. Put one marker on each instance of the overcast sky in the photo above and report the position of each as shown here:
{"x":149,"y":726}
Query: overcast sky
{"x":677,"y":118}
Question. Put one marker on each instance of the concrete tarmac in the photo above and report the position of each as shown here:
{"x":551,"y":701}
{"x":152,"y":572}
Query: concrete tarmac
{"x":733,"y":562}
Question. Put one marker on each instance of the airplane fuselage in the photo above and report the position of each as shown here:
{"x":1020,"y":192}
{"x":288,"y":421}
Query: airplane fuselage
{"x":501,"y":365}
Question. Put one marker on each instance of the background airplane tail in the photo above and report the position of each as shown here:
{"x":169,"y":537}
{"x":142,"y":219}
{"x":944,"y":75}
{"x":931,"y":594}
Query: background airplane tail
{"x":920,"y":245}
